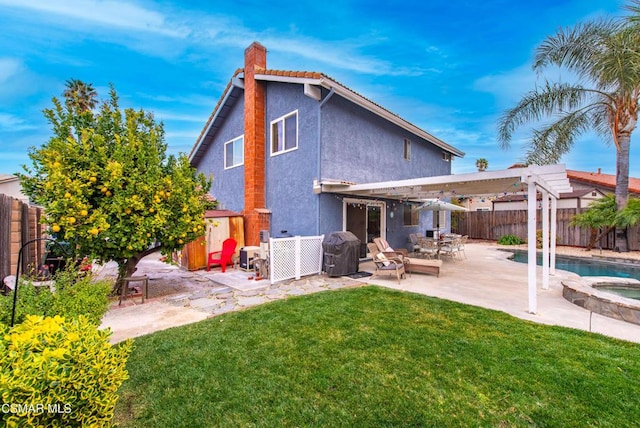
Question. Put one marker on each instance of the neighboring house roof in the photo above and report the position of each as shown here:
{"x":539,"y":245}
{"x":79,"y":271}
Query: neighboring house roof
{"x":5,"y":178}
{"x":602,"y":180}
{"x":568,"y":195}
{"x":310,"y":80}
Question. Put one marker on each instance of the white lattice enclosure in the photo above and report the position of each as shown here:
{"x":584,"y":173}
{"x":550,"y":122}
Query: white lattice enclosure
{"x":294,"y":257}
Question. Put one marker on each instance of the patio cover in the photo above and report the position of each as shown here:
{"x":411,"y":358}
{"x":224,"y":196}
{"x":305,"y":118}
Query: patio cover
{"x":549,"y":180}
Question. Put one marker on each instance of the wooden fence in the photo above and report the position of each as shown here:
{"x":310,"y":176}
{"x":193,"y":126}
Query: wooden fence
{"x":492,"y":225}
{"x":19,"y":223}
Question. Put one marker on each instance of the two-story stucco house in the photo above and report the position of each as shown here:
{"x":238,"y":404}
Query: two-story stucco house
{"x":276,"y":136}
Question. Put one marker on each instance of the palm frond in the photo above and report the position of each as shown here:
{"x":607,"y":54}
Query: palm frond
{"x":552,"y":98}
{"x":550,"y":143}
{"x":575,"y":49}
{"x":630,"y":215}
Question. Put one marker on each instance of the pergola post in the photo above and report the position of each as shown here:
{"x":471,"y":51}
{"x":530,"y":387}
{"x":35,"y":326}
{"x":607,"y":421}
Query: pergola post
{"x":531,"y":245}
{"x":554,"y":231}
{"x":545,"y":239}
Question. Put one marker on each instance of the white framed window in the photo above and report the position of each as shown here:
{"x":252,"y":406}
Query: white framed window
{"x":234,"y":152}
{"x":284,"y":133}
{"x":407,"y":149}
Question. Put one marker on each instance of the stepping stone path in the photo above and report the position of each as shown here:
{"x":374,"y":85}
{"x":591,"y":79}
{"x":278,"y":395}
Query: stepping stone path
{"x":219,"y":298}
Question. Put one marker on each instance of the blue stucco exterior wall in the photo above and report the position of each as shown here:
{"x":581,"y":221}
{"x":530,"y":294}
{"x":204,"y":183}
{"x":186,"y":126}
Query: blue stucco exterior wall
{"x":289,"y":176}
{"x":228,"y":185}
{"x":359,"y":146}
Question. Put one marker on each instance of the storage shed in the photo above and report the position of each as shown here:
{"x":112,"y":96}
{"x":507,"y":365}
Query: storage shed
{"x":221,"y":224}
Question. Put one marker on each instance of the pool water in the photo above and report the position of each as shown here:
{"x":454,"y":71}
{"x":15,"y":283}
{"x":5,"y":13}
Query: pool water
{"x":584,"y":267}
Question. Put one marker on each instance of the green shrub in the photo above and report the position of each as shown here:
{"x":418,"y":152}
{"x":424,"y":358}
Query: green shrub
{"x":75,"y":294}
{"x":539,"y":239}
{"x":510,"y":240}
{"x":59,"y":373}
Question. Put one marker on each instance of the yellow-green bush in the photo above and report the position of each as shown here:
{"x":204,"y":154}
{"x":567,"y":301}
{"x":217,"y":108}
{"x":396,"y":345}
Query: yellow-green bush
{"x":59,"y":373}
{"x":75,"y":295}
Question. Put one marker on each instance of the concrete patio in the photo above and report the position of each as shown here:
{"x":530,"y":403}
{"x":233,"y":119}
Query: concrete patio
{"x":486,"y":278}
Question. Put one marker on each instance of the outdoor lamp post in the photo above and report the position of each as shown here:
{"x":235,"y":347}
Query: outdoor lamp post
{"x":15,"y":287}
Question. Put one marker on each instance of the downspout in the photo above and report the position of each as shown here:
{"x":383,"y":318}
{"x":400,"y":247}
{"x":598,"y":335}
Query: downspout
{"x":319,"y":162}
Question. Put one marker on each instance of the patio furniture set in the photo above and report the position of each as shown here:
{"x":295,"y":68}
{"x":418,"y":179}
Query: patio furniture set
{"x":426,"y":256}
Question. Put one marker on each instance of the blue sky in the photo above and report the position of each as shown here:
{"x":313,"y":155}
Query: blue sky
{"x":451,"y":67}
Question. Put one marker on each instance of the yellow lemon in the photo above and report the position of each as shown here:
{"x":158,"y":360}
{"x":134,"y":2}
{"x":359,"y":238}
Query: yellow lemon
{"x":93,"y":179}
{"x":55,"y":228}
{"x":185,"y":209}
{"x":180,"y":241}
{"x":93,"y":231}
{"x":151,"y":210}
{"x":104,"y":190}
{"x":71,"y":220}
{"x":127,"y":210}
{"x":108,"y":193}
{"x":83,"y":213}
{"x":67,"y":195}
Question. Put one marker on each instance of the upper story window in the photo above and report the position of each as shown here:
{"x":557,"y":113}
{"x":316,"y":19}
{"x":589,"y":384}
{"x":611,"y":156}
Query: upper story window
{"x":446,"y":156}
{"x":284,"y":133}
{"x":234,"y":153}
{"x":407,"y":149}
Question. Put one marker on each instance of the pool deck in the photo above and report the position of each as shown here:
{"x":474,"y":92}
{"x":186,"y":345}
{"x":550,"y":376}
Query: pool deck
{"x":486,"y":278}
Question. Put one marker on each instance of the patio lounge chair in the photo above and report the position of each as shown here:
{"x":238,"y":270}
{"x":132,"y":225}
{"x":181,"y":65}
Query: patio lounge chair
{"x":384,"y":247}
{"x":386,"y":262}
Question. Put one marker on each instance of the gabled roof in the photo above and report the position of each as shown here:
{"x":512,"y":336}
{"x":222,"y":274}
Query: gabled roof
{"x":602,"y":180}
{"x":309,"y":79}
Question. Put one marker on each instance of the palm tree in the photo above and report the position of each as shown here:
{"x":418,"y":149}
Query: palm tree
{"x":80,"y":95}
{"x":482,"y":164}
{"x":605,"y":57}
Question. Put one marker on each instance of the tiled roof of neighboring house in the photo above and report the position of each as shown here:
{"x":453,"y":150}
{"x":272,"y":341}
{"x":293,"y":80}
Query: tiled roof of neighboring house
{"x":603,"y":180}
{"x":567,"y":195}
{"x":314,"y":78}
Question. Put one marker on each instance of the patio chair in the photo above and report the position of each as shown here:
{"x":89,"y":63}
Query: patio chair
{"x":451,"y":248}
{"x":385,"y":264}
{"x":463,"y":241}
{"x":428,"y":247}
{"x":415,"y":242}
{"x":384,"y":247}
{"x":223,"y":257}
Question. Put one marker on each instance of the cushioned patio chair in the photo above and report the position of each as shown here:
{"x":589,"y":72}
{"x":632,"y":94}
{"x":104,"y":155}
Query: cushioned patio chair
{"x":386,"y":264}
{"x":384,"y":247}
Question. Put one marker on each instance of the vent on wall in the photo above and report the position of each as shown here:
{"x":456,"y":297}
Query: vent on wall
{"x":446,"y":156}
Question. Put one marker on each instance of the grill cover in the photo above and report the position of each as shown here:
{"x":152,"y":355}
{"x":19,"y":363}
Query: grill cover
{"x":341,"y":253}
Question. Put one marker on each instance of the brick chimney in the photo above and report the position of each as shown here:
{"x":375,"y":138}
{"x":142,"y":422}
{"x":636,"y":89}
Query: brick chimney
{"x":255,"y":213}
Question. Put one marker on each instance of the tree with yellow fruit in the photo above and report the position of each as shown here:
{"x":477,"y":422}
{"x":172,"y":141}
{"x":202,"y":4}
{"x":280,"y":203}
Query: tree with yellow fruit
{"x":108,"y":187}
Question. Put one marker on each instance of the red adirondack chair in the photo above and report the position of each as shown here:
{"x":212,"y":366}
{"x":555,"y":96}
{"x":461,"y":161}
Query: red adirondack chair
{"x":224,"y":257}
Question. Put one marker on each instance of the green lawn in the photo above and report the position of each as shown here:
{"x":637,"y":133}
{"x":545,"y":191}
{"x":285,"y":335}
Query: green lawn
{"x":373,"y":357}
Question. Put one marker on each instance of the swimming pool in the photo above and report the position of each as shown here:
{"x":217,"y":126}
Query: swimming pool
{"x":584,"y":267}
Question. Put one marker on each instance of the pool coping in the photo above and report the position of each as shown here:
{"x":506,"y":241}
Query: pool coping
{"x":580,"y":291}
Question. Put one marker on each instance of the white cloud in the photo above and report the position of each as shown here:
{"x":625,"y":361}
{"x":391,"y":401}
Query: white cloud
{"x":11,"y":123}
{"x":9,"y":67}
{"x":109,"y":13}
